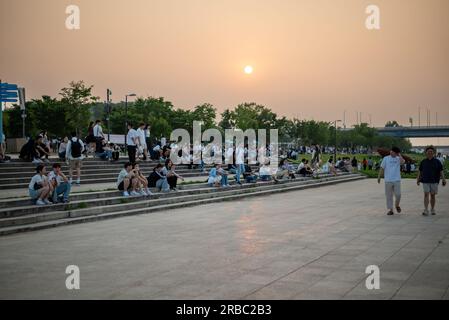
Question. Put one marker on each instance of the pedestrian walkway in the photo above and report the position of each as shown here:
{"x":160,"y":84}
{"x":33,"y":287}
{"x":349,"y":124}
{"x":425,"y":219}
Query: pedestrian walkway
{"x":307,"y":244}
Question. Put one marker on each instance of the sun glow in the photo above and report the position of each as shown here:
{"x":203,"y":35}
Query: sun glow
{"x":248,"y":69}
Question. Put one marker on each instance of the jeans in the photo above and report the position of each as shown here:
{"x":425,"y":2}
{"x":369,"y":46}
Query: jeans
{"x":224,"y":180}
{"x":265,"y":177}
{"x":240,"y":170}
{"x":162,"y":185}
{"x":107,"y":154}
{"x":201,"y":165}
{"x":251,"y":179}
{"x":64,"y":189}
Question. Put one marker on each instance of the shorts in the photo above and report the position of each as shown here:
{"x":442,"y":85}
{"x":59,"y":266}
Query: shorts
{"x":121,"y":186}
{"x":430,"y":188}
{"x":75,"y":163}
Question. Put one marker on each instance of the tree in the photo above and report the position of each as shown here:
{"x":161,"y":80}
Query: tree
{"x":392,"y":124}
{"x":205,"y":113}
{"x":78,"y":98}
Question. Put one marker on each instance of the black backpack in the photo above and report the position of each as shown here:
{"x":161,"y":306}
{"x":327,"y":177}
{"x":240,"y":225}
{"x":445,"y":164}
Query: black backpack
{"x":76,"y":149}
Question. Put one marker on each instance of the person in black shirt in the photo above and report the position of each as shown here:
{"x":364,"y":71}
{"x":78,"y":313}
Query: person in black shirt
{"x":430,"y":172}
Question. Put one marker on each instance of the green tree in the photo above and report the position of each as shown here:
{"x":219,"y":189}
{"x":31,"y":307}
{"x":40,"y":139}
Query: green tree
{"x":78,"y":98}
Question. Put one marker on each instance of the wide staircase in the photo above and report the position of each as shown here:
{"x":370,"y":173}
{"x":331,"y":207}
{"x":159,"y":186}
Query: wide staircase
{"x":18,"y":214}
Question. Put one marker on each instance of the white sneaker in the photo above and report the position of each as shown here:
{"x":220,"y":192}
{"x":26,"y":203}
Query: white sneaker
{"x":433,"y":212}
{"x":37,"y":161}
{"x":125,"y":194}
{"x":39,"y":202}
{"x":143,"y":193}
{"x":135,"y":194}
{"x":149,"y":192}
{"x":46,"y":201}
{"x":425,"y":212}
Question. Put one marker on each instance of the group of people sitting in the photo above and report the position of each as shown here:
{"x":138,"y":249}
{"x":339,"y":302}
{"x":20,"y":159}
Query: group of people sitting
{"x":132,"y":182}
{"x":36,"y":150}
{"x":53,"y":187}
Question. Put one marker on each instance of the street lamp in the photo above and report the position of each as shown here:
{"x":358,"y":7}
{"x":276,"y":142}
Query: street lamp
{"x":126,"y":114}
{"x":335,"y":147}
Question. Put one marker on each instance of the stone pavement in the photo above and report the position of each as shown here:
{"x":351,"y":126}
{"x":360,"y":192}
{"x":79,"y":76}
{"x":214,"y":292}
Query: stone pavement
{"x":308,"y":244}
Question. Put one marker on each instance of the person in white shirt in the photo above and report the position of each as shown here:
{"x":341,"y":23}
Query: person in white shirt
{"x":74,"y":155}
{"x":60,"y":184}
{"x":239,"y":162}
{"x":39,"y":189}
{"x":391,"y":169}
{"x":142,"y":140}
{"x":98,"y":130}
{"x":132,"y":140}
{"x":62,"y":148}
{"x":126,"y":180}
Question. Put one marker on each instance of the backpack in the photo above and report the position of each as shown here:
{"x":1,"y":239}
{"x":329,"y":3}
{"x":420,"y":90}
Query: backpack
{"x":76,"y":149}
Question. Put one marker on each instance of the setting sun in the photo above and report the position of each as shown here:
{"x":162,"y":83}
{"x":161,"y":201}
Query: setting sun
{"x":248,"y":69}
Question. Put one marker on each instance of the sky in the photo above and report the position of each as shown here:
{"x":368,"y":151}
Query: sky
{"x":312,"y":59}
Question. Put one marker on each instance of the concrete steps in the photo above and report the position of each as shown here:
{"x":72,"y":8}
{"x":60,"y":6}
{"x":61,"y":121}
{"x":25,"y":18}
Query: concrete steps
{"x":19,"y":175}
{"x":90,"y":208}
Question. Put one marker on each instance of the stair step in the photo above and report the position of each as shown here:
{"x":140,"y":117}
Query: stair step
{"x":145,"y":209}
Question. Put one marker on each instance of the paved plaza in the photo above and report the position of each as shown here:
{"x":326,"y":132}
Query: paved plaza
{"x":308,"y":244}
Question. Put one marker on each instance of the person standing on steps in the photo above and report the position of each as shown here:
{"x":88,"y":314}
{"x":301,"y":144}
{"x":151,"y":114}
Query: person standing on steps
{"x":391,"y":169}
{"x":132,"y":139}
{"x":74,"y":156}
{"x":430,"y":172}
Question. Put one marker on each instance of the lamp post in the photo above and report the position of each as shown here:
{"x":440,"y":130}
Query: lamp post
{"x":335,"y":147}
{"x":126,"y":114}
{"x":108,"y":106}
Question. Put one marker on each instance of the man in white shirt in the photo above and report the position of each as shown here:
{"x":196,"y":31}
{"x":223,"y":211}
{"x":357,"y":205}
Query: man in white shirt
{"x":142,"y":140}
{"x":132,"y":139}
{"x":60,"y":184}
{"x":98,"y":130}
{"x":239,"y":162}
{"x":391,"y":169}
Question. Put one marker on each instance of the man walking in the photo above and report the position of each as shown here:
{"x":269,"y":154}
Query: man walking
{"x":430,"y":172}
{"x":391,"y":169}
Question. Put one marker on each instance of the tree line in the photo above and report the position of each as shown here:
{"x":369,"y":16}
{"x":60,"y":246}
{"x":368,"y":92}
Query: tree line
{"x":77,"y":106}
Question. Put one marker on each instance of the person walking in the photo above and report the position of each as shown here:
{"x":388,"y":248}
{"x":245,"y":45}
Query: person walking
{"x":430,"y":172}
{"x":391,"y":169}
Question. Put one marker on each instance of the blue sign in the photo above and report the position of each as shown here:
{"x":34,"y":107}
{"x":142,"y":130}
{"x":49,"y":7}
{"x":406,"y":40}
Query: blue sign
{"x":7,"y":86}
{"x":8,"y":94}
{"x":7,"y":100}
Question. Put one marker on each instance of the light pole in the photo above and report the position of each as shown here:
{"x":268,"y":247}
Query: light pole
{"x":126,"y":114}
{"x":335,"y":147}
{"x":108,"y":106}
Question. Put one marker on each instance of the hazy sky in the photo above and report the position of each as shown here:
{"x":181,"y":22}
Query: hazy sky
{"x":311,"y":58}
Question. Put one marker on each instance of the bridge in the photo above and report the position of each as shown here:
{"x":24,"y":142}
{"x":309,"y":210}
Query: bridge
{"x":415,"y":132}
